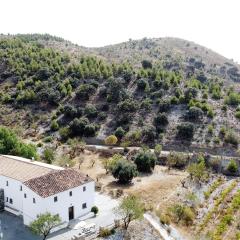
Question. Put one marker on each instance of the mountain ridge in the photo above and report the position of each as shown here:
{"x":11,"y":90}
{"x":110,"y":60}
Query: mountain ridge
{"x":145,"y":91}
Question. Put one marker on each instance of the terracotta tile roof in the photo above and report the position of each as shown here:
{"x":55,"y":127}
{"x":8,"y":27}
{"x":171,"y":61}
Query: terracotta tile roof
{"x":56,"y":182}
{"x":21,"y":169}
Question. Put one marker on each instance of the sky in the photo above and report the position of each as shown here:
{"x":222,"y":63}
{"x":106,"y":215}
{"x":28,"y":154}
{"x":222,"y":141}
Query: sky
{"x":96,"y":23}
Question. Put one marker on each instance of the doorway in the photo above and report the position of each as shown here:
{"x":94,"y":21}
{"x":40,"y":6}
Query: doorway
{"x":71,"y":213}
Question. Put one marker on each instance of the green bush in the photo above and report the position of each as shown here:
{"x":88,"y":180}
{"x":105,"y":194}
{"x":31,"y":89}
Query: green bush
{"x":145,"y":161}
{"x":95,"y":210}
{"x":174,"y":100}
{"x":161,"y":119}
{"x":142,"y":84}
{"x":11,"y":144}
{"x":119,"y":132}
{"x":231,"y":138}
{"x":194,"y":113}
{"x":54,"y":125}
{"x":91,"y":111}
{"x":64,"y":133}
{"x":232,"y":167}
{"x":210,"y":129}
{"x":85,"y":91}
{"x":146,"y":64}
{"x":233,"y":99}
{"x":124,"y":171}
{"x":48,"y":155}
{"x":185,"y":131}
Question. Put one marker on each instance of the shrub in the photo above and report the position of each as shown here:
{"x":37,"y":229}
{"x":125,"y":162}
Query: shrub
{"x":85,"y":91}
{"x":164,"y":106}
{"x":48,"y":139}
{"x":104,"y":232}
{"x":127,"y":105}
{"x":188,"y":216}
{"x":222,"y":131}
{"x":77,"y":126}
{"x":119,"y":132}
{"x":194,"y":113}
{"x":233,"y":99}
{"x":232,"y":167}
{"x":174,"y":100}
{"x":148,"y":134}
{"x":182,"y":213}
{"x":54,"y":125}
{"x":161,"y":119}
{"x":145,"y":161}
{"x":237,"y":114}
{"x":142,"y":84}
{"x":10,"y":144}
{"x":90,"y":130}
{"x":111,"y":140}
{"x":90,"y":111}
{"x":185,"y":131}
{"x":164,"y":219}
{"x":146,"y":64}
{"x":124,"y":171}
{"x":95,"y":210}
{"x":190,"y":93}
{"x":48,"y":155}
{"x":231,"y":138}
{"x":70,"y":111}
{"x":64,"y":133}
{"x":210,"y":129}
{"x":176,"y":160}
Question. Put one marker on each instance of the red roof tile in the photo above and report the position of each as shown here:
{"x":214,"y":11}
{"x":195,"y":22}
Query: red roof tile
{"x":56,"y":182}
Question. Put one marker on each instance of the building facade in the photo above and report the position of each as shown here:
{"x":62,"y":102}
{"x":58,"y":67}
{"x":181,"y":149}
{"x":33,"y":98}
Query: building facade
{"x":31,"y":188}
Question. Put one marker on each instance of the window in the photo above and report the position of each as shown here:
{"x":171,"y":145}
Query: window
{"x":25,"y":195}
{"x":20,"y":188}
{"x":70,"y":193}
{"x":55,"y":199}
{"x":7,"y":199}
{"x":6,"y":183}
{"x":84,"y":188}
{"x":10,"y":201}
{"x":84,"y":205}
{"x":34,"y":200}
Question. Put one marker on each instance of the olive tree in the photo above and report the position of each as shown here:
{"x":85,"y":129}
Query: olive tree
{"x":129,"y":209}
{"x":44,"y":224}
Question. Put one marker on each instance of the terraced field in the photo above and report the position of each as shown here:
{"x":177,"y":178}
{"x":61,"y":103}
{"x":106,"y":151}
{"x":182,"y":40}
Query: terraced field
{"x":219,"y":214}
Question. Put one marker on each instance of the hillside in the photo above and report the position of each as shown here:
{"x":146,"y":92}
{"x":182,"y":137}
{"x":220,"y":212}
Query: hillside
{"x":167,"y":91}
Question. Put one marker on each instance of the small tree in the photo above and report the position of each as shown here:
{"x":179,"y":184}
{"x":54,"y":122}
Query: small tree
{"x":130,"y":208}
{"x":145,"y":161}
{"x":95,"y":210}
{"x":158,"y":150}
{"x":44,"y":224}
{"x":111,"y":140}
{"x":120,"y":132}
{"x":48,"y":155}
{"x":124,"y":171}
{"x":198,"y":171}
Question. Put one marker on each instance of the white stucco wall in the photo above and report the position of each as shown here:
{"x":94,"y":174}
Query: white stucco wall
{"x":60,"y":207}
{"x":30,"y":210}
{"x":12,"y":191}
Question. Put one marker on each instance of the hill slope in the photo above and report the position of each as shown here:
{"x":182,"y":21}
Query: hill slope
{"x":147,"y":91}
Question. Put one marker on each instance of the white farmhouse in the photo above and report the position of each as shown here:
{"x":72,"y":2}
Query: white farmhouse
{"x":29,"y":188}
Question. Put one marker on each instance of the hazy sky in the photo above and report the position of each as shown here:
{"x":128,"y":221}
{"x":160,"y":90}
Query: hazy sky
{"x":212,"y":23}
